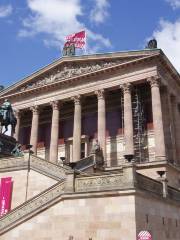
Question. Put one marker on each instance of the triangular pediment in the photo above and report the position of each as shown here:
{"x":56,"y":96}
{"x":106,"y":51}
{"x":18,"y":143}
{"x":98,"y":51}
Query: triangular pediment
{"x":70,"y":67}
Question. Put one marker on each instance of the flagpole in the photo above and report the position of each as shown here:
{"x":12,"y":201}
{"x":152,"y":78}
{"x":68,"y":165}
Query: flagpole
{"x":85,"y":49}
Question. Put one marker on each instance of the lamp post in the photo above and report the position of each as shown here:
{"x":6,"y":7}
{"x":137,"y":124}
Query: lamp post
{"x":29,"y":146}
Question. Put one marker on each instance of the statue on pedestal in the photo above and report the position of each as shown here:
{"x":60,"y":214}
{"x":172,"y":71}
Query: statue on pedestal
{"x":69,"y":50}
{"x":7,"y":116}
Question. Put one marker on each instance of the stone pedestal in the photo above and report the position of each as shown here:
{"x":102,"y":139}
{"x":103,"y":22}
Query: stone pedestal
{"x":7,"y":144}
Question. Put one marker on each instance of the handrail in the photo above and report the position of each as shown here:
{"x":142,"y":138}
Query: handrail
{"x":36,"y":163}
{"x":31,"y":207}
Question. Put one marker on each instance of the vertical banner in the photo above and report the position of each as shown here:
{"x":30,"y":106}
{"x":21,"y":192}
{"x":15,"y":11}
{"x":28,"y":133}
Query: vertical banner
{"x":5,"y":195}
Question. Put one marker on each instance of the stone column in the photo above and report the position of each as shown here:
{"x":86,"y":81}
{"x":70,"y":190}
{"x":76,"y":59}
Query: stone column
{"x":102,"y":122}
{"x":17,"y":128}
{"x":160,"y":152}
{"x":128,"y":119}
{"x":77,"y":129}
{"x":34,"y":128}
{"x":54,"y":132}
{"x":176,"y":122}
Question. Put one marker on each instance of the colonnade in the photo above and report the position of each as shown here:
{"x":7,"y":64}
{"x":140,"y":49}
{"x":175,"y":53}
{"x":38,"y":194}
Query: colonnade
{"x":160,"y":151}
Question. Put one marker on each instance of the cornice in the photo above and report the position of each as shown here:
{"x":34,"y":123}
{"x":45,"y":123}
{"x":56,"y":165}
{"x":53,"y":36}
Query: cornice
{"x":80,"y":77}
{"x":93,"y":57}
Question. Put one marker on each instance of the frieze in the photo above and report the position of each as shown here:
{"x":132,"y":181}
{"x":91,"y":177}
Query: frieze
{"x":99,"y":183}
{"x":69,"y":71}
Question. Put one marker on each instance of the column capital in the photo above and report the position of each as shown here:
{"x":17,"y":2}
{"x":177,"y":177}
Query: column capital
{"x":154,"y":81}
{"x":35,"y":109}
{"x":17,"y":113}
{"x":55,"y":105}
{"x":100,"y":93}
{"x":77,"y":99}
{"x":126,"y":87}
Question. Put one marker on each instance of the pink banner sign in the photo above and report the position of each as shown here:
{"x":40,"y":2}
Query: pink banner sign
{"x":5,"y":195}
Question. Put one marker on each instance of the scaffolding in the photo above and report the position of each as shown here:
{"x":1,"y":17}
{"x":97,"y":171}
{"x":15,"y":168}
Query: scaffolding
{"x":140,"y":133}
{"x":139,"y":124}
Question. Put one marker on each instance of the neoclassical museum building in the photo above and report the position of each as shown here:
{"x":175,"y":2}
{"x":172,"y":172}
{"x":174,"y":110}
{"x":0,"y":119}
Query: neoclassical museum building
{"x":126,"y":107}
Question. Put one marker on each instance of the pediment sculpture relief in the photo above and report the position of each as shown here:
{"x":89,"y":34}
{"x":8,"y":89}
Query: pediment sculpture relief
{"x":69,"y":71}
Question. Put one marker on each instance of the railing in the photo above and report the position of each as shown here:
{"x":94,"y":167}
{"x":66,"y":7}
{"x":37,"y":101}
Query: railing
{"x":7,"y":164}
{"x":85,"y":163}
{"x":173,"y":194}
{"x":149,"y":184}
{"x":52,"y":170}
{"x":36,"y":163}
{"x":31,"y":207}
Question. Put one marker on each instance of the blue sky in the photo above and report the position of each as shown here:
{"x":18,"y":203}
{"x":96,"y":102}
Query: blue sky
{"x":32,"y":31}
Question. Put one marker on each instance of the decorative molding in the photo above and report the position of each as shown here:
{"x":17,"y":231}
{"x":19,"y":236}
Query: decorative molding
{"x":71,"y":70}
{"x":126,"y":87}
{"x":154,"y":81}
{"x":99,"y":183}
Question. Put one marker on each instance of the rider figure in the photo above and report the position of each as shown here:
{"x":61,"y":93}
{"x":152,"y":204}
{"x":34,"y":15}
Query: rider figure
{"x":6,"y":106}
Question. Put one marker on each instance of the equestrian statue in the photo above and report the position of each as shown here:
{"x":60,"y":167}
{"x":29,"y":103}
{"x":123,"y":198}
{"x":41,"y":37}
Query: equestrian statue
{"x":7,"y":116}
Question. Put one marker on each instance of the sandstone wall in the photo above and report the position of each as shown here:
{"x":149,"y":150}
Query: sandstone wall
{"x":100,"y":218}
{"x":160,"y":217}
{"x":37,"y":184}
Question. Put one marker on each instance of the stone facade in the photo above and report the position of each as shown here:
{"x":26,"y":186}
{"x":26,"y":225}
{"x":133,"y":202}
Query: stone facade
{"x":126,"y":103}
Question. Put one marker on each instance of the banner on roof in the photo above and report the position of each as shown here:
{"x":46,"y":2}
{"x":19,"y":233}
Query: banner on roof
{"x":78,"y":39}
{"x":5,"y":195}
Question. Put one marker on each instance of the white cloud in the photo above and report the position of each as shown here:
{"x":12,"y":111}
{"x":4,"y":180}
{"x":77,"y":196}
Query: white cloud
{"x":174,"y":3}
{"x":56,"y":19}
{"x":5,"y":10}
{"x":168,"y":38}
{"x":100,"y":11}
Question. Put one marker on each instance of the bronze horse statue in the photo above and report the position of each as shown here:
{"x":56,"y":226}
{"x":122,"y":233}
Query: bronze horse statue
{"x":7,"y":118}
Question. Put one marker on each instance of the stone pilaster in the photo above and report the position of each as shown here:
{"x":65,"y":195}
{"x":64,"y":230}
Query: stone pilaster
{"x":54,"y":132}
{"x":128,"y":119}
{"x":77,"y":129}
{"x":34,"y":128}
{"x":102,"y":122}
{"x":160,"y":152}
{"x":17,"y":128}
{"x":176,"y":122}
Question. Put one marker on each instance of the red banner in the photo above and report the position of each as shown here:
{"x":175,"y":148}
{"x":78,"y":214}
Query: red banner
{"x":5,"y":195}
{"x":78,"y":39}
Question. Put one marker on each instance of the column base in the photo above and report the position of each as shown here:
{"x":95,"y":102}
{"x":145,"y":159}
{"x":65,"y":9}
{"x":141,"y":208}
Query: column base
{"x":161,"y":158}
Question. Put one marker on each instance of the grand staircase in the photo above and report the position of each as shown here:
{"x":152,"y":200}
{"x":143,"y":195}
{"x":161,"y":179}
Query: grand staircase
{"x":46,"y":198}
